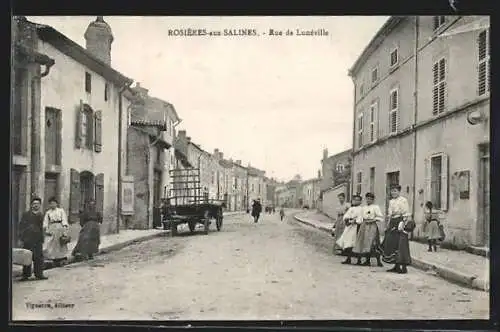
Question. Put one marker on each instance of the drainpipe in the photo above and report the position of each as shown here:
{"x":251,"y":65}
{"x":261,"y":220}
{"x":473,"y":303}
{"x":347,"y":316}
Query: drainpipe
{"x":120,"y":120}
{"x":353,"y":136}
{"x":36,"y":167}
{"x":415,"y":110}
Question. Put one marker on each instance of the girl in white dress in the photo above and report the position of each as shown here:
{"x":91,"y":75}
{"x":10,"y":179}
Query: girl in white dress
{"x":352,"y":218}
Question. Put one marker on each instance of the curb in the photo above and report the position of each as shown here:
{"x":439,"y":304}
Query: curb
{"x":105,"y":250}
{"x":445,"y":273}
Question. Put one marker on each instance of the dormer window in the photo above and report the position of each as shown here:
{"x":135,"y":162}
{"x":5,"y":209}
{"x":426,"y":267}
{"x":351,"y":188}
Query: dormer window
{"x":106,"y":91}
{"x":88,"y":82}
{"x":374,"y":75}
{"x":394,"y":57}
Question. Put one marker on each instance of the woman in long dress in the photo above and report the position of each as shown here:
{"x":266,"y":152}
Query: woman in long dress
{"x":352,"y":218}
{"x":56,"y":224}
{"x":368,"y":239}
{"x":89,"y":237}
{"x":396,"y":246}
{"x":340,"y":223}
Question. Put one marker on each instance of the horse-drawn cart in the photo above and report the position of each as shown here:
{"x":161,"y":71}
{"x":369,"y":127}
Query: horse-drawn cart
{"x":187,"y":205}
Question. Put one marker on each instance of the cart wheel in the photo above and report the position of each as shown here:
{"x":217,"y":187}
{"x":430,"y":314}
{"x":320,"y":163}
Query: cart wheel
{"x":173,"y":229}
{"x":192,"y":226}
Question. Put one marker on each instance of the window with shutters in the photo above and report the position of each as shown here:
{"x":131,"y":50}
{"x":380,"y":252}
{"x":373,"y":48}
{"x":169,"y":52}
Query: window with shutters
{"x":88,"y":82}
{"x":98,"y":131}
{"x":439,"y":21}
{"x":483,"y":44}
{"x":375,"y":75}
{"x":394,"y":57}
{"x":87,"y":130}
{"x":360,"y":129}
{"x":372,"y":179}
{"x":359,"y":182}
{"x":436,"y":177}
{"x":373,"y":122}
{"x":439,"y":87}
{"x":393,"y":111}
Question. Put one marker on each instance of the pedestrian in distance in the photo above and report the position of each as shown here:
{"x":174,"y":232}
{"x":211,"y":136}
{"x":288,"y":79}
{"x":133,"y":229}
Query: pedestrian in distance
{"x":431,"y":227}
{"x":282,"y":213}
{"x":89,"y":238}
{"x":340,"y":223}
{"x":56,"y":224}
{"x":352,"y":218}
{"x":31,"y":234}
{"x":256,"y":210}
{"x":396,"y":246}
{"x":368,"y":239}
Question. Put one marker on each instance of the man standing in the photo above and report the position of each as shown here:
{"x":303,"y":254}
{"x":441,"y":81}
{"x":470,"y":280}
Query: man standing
{"x":31,"y":234}
{"x":256,"y":210}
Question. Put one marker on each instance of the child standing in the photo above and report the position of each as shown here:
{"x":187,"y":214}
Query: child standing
{"x":431,"y":228}
{"x":282,"y":213}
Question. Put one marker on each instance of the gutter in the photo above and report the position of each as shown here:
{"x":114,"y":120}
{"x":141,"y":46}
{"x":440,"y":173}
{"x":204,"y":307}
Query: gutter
{"x":353,"y":139}
{"x":415,"y":118}
{"x":120,"y":120}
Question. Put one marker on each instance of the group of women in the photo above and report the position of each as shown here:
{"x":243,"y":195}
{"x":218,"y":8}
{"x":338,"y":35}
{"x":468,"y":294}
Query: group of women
{"x":57,"y":233}
{"x":357,"y":231}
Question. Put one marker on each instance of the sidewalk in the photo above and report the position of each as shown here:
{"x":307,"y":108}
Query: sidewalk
{"x":455,"y":266}
{"x":110,"y":242}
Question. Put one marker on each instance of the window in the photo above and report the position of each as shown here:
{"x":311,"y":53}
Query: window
{"x":88,"y":83}
{"x":372,"y":179}
{"x":235,"y":183}
{"x":374,"y":75}
{"x":359,"y":180}
{"x":339,"y":168}
{"x":439,"y":88}
{"x":361,"y":89}
{"x":394,"y":57}
{"x":106,"y":91}
{"x":483,"y":42}
{"x":87,"y":189}
{"x":360,"y":130}
{"x":393,"y":111}
{"x":373,"y":122}
{"x":439,"y":21}
{"x":436,"y":170}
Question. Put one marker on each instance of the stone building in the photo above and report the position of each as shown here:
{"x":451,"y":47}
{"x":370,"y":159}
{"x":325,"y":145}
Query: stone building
{"x":256,"y":185}
{"x":310,"y":192}
{"x":240,"y":185}
{"x":149,"y":138}
{"x":422,"y":119}
{"x":335,"y":179}
{"x":82,"y":95}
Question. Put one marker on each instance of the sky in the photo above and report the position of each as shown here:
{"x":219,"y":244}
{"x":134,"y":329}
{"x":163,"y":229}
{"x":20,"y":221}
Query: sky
{"x":272,"y":101}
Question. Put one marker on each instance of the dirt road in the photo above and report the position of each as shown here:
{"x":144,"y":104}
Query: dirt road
{"x":269,"y":270}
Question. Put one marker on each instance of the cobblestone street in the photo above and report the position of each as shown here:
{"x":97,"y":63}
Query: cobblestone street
{"x":269,"y":270}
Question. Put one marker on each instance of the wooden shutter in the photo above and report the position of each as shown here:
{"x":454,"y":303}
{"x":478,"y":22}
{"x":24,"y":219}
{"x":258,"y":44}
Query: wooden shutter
{"x":444,"y":182}
{"x":78,"y":125}
{"x":99,"y":192}
{"x":98,"y":131}
{"x":427,"y":179}
{"x":74,"y":194}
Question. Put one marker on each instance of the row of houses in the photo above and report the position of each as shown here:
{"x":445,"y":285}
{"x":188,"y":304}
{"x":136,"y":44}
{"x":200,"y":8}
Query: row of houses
{"x":299,"y":194}
{"x":421,"y":120}
{"x":81,"y":131}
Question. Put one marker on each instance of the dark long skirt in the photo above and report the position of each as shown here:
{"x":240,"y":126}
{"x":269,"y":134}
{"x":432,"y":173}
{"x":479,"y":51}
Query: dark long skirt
{"x":390,"y":246}
{"x":403,"y":256}
{"x":88,"y":239}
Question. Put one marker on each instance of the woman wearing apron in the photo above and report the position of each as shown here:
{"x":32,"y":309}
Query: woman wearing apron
{"x":56,"y":224}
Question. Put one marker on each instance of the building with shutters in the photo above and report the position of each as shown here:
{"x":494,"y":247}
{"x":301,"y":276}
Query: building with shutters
{"x":310,"y":192}
{"x":256,"y":185}
{"x":421,"y":120}
{"x":149,"y":138}
{"x":240,"y":185}
{"x":77,"y":141}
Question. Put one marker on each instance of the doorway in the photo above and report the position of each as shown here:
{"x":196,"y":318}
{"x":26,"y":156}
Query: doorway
{"x":484,"y":194}
{"x":18,"y":199}
{"x":156,"y":198}
{"x":50,"y":189}
{"x":392,"y":179}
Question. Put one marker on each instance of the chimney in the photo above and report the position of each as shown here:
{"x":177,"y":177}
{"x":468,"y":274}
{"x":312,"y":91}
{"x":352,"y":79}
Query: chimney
{"x":143,"y":92}
{"x":188,"y":139}
{"x":325,"y":154}
{"x":181,"y":133}
{"x":221,"y":155}
{"x":98,"y":40}
{"x":238,"y":162}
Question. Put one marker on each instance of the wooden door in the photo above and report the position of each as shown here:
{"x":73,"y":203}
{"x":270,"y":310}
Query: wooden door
{"x":484,"y":200}
{"x":392,"y":179}
{"x":51,"y":136}
{"x":50,"y":190}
